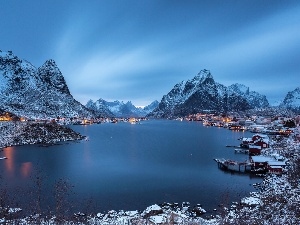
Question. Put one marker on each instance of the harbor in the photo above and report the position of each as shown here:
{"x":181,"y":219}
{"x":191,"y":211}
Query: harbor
{"x":258,"y":162}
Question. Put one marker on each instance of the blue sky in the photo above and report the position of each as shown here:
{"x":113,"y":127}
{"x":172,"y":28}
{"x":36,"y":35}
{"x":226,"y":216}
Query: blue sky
{"x":138,"y":50}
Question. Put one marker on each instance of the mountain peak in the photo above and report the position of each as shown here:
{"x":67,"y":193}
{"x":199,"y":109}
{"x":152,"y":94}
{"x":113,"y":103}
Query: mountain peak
{"x":203,"y":93}
{"x":50,"y":62}
{"x":49,"y":73}
{"x":204,"y":74}
{"x":35,"y":93}
{"x":292,"y":100}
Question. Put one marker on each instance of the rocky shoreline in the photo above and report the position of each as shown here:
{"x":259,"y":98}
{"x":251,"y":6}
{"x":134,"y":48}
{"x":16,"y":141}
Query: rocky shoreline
{"x":23,"y":133}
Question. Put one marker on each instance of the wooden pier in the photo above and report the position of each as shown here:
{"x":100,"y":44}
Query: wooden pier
{"x":232,"y":165}
{"x":245,"y":151}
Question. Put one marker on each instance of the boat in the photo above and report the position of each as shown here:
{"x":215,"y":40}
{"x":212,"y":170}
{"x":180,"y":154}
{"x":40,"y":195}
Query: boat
{"x":3,"y":158}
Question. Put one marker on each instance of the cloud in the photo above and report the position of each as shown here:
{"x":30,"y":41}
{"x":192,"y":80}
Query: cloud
{"x":112,"y":58}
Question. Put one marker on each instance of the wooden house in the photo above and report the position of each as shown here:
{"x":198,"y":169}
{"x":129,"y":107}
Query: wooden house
{"x":254,"y":149}
{"x":275,"y":170}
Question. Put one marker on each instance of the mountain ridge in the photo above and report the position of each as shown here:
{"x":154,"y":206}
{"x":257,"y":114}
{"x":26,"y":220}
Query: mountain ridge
{"x":203,"y":93}
{"x":31,"y":92}
{"x":119,"y":108}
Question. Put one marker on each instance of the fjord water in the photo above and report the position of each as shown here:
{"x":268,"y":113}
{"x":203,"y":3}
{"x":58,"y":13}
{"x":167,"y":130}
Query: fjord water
{"x":131,"y":166}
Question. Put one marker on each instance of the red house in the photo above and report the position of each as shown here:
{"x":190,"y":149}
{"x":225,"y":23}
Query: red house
{"x":260,"y":161}
{"x":246,"y":142}
{"x":263,"y":143}
{"x":275,"y":169}
{"x":254,"y":150}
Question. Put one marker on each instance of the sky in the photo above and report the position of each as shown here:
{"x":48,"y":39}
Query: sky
{"x":138,"y":50}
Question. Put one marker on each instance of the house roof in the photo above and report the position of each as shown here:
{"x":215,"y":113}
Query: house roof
{"x":264,"y":136}
{"x":260,"y":158}
{"x":276,"y":167}
{"x":276,"y":163}
{"x":254,"y":146}
{"x":262,"y":140}
{"x":270,"y":160}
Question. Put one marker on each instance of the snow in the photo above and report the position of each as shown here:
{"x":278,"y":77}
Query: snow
{"x":157,"y":219}
{"x":251,"y":201}
{"x":132,"y":213}
{"x":261,"y":158}
{"x":151,"y":208}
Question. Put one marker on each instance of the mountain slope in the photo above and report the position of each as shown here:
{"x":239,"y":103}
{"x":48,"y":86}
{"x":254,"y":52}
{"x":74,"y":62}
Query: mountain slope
{"x":32,"y":92}
{"x":203,"y":93}
{"x":292,"y":100}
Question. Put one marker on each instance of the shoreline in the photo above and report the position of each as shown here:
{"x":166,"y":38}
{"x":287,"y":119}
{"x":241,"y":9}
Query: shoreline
{"x":27,"y":133}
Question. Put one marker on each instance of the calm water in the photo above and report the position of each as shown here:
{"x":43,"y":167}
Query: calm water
{"x":125,"y":166}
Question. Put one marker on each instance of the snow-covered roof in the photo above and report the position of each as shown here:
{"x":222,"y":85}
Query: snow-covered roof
{"x":276,"y":163}
{"x":264,"y":136}
{"x":260,"y":158}
{"x":255,"y":146}
{"x":275,"y":167}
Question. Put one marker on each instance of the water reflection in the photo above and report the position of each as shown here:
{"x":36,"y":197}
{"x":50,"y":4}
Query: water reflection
{"x":26,"y":169}
{"x":9,"y":152}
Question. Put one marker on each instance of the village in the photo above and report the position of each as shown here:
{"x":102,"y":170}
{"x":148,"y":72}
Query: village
{"x":266,"y":130}
{"x":8,"y":117}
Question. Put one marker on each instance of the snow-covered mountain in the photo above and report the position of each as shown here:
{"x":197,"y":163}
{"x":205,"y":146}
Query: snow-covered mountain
{"x":99,"y":108}
{"x":149,"y":108}
{"x":292,"y":100}
{"x":254,"y":99}
{"x":27,"y":91}
{"x":203,"y":93}
{"x":119,"y":108}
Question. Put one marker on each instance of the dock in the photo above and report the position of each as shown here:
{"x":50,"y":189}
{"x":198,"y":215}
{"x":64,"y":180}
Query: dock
{"x":245,"y":151}
{"x":232,"y":165}
{"x":232,"y":146}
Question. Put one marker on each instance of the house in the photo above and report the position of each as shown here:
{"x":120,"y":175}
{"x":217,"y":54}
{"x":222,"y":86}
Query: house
{"x":260,"y":162}
{"x":263,"y":143}
{"x":275,"y":170}
{"x":276,"y":167}
{"x":261,"y":140}
{"x":268,"y":164}
{"x":254,"y":150}
{"x":246,"y":142}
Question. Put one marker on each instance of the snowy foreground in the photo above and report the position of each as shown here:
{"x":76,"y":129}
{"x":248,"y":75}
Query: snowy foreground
{"x":277,"y":201}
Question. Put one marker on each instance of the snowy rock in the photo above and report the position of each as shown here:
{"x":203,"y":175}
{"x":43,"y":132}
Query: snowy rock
{"x":152,"y":210}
